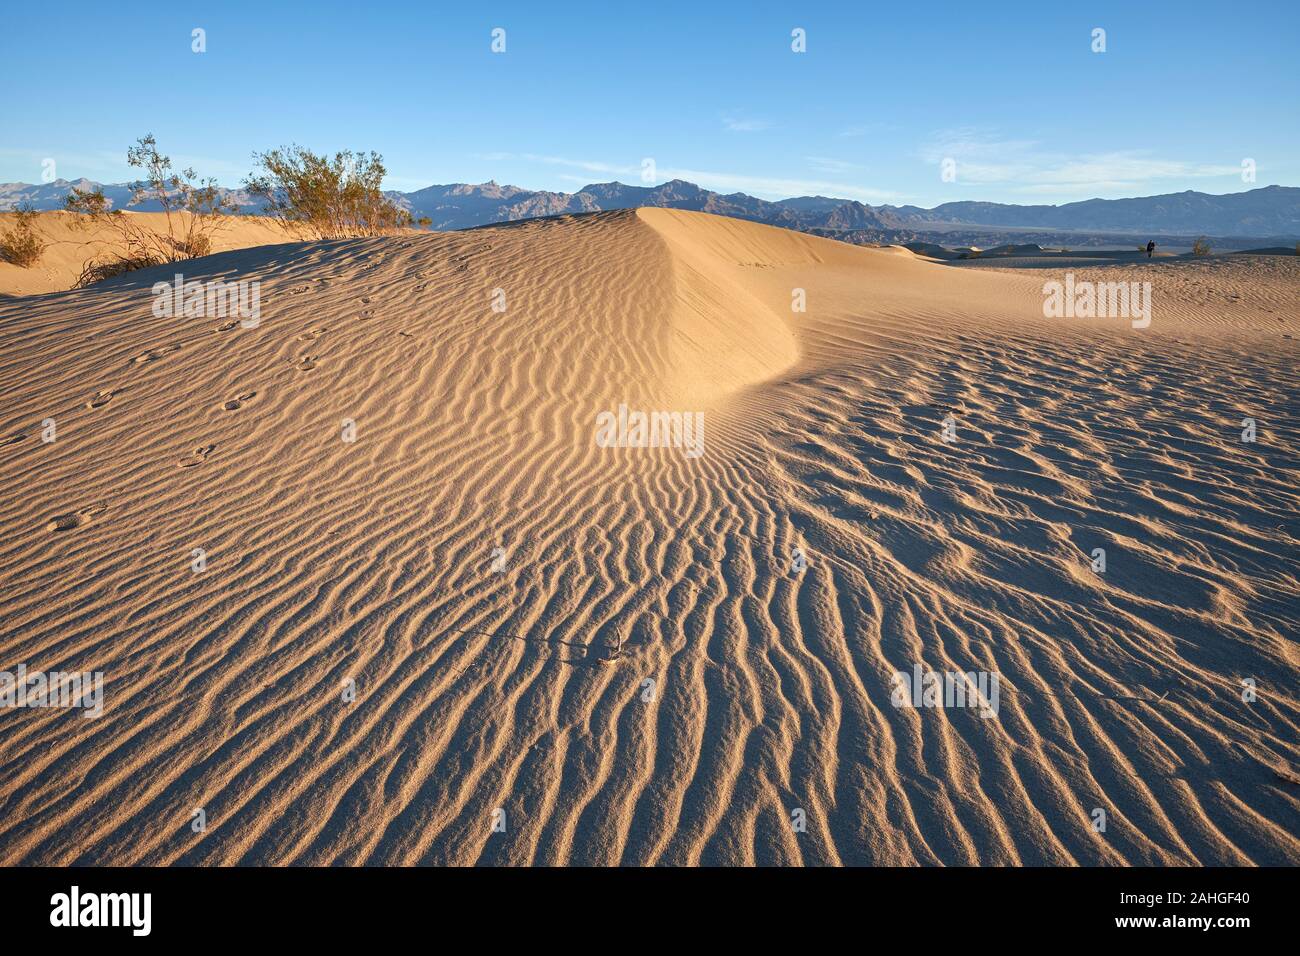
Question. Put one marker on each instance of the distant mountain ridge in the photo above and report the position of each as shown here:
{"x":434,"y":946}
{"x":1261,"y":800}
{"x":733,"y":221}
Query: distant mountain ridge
{"x":1266,"y":211}
{"x":1269,"y":210}
{"x":49,"y":196}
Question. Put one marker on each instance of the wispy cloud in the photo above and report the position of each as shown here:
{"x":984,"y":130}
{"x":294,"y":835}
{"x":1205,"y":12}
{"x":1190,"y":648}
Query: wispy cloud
{"x":589,"y":165}
{"x":735,"y":124}
{"x":969,"y":143}
{"x":826,"y":164}
{"x":69,"y":164}
{"x":765,"y":187}
{"x":776,"y":187}
{"x":983,"y":158}
{"x":862,"y":129}
{"x":110,"y":166}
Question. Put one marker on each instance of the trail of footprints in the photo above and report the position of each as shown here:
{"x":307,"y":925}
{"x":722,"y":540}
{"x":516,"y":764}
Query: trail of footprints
{"x":76,"y":519}
{"x":72,"y":520}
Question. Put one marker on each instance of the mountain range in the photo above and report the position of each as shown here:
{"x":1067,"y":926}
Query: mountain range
{"x":1270,"y":211}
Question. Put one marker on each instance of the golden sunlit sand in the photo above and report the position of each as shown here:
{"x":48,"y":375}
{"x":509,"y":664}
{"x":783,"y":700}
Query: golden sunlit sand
{"x":633,"y":655}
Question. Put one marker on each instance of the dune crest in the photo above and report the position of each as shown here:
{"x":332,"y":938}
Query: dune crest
{"x":724,"y":334}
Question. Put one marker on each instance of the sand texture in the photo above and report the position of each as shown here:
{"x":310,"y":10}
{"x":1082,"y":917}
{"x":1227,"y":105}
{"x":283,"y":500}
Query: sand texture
{"x":615,"y":647}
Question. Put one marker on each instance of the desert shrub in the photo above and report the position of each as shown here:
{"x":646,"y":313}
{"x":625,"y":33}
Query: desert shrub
{"x":21,"y":245}
{"x":326,"y":198}
{"x":195,"y":211}
{"x":424,"y":222}
{"x":98,"y":271}
{"x":1201,"y":247}
{"x":197,"y":246}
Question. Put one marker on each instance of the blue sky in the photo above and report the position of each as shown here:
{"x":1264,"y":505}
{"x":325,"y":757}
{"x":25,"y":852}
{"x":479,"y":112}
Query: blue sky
{"x":712,"y":93}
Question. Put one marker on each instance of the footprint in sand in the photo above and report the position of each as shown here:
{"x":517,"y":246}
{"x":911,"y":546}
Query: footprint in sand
{"x":466,"y":256}
{"x":199,"y":456}
{"x":299,"y":289}
{"x":154,"y":355}
{"x":102,"y":398}
{"x":225,"y":326}
{"x":313,"y":334}
{"x":237,"y":402}
{"x":73,"y":519}
{"x":305,"y":363}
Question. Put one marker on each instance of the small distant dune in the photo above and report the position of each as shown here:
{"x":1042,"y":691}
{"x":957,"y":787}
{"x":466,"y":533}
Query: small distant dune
{"x":1270,"y":251}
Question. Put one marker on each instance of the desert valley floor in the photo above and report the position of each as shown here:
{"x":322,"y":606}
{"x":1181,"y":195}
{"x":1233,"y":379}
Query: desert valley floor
{"x":612,"y":653}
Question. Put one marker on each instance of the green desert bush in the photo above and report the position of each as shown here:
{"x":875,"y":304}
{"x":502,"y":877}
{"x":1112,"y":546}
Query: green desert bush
{"x":327,"y":198}
{"x":21,"y":245}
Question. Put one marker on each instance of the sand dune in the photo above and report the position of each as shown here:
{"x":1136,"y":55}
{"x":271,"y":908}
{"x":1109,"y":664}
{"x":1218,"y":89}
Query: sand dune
{"x":615,"y":647}
{"x":71,"y":243}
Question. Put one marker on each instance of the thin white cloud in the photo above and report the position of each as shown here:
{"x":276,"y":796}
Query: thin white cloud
{"x":101,"y":165}
{"x":984,"y":159}
{"x":110,"y":166}
{"x":765,"y":187}
{"x":590,"y":166}
{"x":862,"y":129}
{"x":826,"y":164}
{"x":968,"y":143}
{"x":734,"y":124}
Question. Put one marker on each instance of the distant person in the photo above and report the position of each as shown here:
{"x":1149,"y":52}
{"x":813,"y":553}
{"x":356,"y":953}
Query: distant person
{"x":1151,"y":248}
